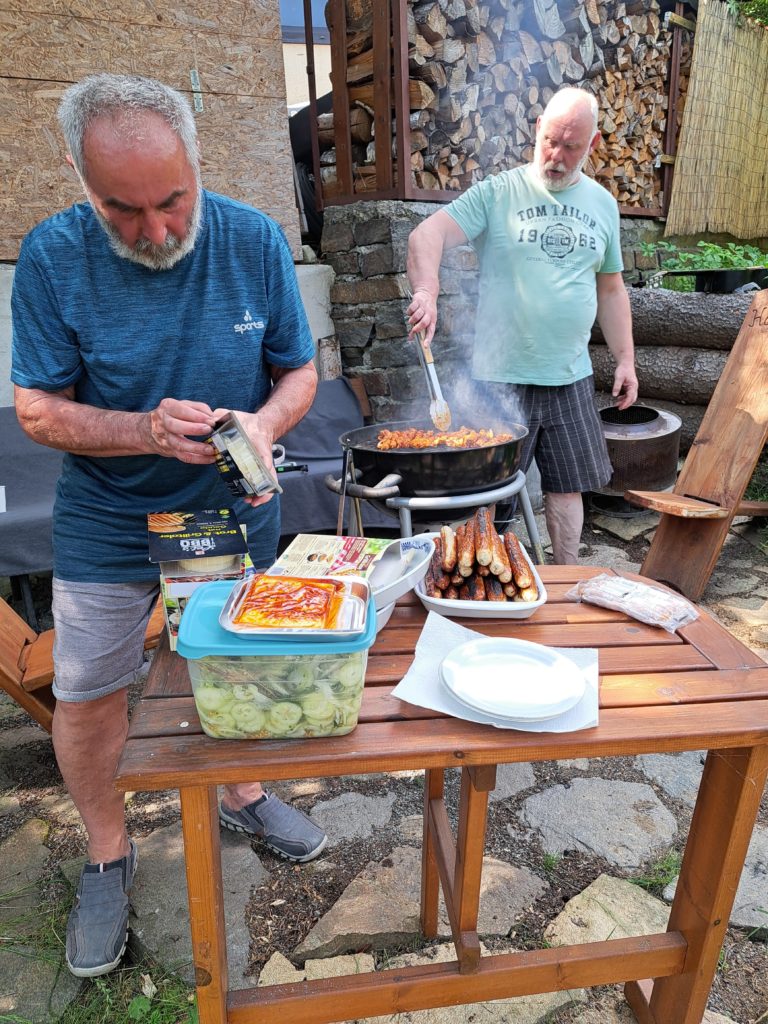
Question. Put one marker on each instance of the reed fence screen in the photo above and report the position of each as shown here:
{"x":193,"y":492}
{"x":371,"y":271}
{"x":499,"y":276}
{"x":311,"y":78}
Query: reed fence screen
{"x":720,"y":182}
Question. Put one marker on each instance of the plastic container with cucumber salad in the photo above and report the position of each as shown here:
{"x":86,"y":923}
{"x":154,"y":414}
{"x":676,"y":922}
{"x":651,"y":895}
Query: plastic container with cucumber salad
{"x":249,"y":687}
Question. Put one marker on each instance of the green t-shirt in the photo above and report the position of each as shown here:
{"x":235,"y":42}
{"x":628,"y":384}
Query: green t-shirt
{"x":539,"y":253}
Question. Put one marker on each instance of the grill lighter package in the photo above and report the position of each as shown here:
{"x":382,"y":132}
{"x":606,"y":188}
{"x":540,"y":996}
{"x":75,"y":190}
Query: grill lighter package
{"x":242,"y":468}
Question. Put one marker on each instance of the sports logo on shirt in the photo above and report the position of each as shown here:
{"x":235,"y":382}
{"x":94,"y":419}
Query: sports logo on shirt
{"x":558,"y":241}
{"x":248,"y":324}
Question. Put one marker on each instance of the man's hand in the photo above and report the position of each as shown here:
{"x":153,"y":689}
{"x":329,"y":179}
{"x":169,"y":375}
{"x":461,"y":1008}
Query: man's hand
{"x":422,"y":314}
{"x":261,"y":441}
{"x":625,"y":386}
{"x":172,"y":421}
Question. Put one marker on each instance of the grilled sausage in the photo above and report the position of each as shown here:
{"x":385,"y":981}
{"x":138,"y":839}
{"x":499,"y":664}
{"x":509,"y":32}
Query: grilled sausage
{"x":521,"y":570}
{"x":494,"y":589}
{"x":456,"y":579}
{"x":451,"y":593}
{"x":510,"y":589}
{"x":429,"y":583}
{"x":483,"y":570}
{"x":500,"y":561}
{"x":441,"y":578}
{"x":464,"y":592}
{"x":476,"y":586}
{"x":448,"y":537}
{"x":466,"y":548}
{"x":484,"y":530}
{"x":530,"y":593}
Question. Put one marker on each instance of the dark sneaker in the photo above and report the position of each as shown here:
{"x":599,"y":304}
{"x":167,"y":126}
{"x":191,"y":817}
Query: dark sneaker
{"x":97,"y":929}
{"x":287,"y":831}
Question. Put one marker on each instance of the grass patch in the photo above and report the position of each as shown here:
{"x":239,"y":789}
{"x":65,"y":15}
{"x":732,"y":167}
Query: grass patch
{"x":133,"y":995}
{"x":660,"y":873}
{"x":550,"y":861}
{"x":141,"y":993}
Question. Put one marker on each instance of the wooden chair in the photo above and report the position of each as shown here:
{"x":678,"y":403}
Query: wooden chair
{"x":26,"y":661}
{"x":696,"y":516}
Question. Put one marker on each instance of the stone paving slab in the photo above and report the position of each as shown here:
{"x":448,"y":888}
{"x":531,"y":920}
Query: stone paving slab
{"x":750,"y":906}
{"x":380,"y":908}
{"x":678,"y":775}
{"x":624,"y":822}
{"x":609,"y":908}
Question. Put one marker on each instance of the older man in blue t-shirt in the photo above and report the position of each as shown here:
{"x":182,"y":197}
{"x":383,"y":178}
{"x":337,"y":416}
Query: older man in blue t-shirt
{"x":138,"y":318}
{"x":550,"y":260}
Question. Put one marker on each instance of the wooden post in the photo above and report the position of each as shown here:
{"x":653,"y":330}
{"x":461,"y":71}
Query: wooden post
{"x":729,"y":799}
{"x":202,"y":853}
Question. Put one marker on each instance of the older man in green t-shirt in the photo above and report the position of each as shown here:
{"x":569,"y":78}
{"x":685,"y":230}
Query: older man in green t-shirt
{"x":550,"y":261}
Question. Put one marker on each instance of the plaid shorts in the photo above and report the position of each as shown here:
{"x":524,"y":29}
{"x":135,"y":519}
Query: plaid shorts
{"x":565,"y":433}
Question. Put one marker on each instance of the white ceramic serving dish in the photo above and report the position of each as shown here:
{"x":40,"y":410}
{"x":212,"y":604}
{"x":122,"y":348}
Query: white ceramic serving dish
{"x":484,"y":609}
{"x":383,"y":615}
{"x":400,"y":568}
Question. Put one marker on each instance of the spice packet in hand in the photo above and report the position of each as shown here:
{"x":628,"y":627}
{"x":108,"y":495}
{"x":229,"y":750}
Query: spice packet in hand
{"x":645,"y":603}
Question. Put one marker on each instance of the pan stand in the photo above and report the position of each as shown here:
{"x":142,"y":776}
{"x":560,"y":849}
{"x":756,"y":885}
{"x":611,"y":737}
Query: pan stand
{"x":516,"y":486}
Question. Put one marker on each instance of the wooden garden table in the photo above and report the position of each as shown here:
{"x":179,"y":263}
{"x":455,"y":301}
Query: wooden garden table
{"x":659,"y":692}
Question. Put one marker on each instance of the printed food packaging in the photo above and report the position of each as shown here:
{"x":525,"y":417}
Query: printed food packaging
{"x":260,"y":687}
{"x":192,"y":548}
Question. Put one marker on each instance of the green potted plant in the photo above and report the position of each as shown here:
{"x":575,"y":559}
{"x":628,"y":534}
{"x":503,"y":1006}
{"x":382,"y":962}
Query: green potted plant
{"x":711,"y":267}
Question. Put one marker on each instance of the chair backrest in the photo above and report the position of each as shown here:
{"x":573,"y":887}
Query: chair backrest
{"x":719,"y":465}
{"x":732,"y":434}
{"x":15,"y":634}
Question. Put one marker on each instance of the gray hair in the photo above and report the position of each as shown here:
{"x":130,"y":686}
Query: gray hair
{"x":570,"y":96}
{"x":105,"y":94}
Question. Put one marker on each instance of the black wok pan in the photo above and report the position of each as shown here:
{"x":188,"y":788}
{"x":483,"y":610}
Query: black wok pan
{"x":435,"y":472}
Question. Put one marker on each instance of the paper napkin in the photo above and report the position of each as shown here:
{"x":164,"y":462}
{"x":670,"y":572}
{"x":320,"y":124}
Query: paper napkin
{"x":422,"y":685}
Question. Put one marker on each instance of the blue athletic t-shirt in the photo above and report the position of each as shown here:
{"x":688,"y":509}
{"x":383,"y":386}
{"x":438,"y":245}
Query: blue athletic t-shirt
{"x":126,"y":337}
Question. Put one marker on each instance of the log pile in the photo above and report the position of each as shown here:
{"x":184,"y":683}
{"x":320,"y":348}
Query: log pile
{"x":482,"y":71}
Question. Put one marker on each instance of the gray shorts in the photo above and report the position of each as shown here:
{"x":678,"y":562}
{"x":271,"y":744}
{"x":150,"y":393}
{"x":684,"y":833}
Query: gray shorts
{"x":565,"y":434}
{"x":98,"y":646}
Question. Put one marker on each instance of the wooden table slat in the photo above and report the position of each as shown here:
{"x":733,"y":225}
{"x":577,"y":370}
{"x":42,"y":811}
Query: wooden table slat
{"x":177,"y":716}
{"x":170,"y":762}
{"x":391,"y":669}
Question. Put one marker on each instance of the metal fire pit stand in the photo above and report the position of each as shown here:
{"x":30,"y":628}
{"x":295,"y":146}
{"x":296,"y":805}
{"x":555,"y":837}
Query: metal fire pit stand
{"x":516,"y":485}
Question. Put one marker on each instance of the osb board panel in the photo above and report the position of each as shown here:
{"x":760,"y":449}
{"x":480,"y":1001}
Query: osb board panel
{"x":246,"y":17}
{"x":71,"y":48}
{"x":244,"y":142}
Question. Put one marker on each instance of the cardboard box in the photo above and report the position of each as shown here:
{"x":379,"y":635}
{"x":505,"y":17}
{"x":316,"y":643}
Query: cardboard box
{"x":192,"y":548}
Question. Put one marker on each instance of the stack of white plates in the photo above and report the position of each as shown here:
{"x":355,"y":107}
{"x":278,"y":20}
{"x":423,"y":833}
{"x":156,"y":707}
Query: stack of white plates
{"x":513,"y":680}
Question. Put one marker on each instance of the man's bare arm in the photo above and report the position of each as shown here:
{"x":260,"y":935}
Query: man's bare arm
{"x":56,"y":419}
{"x":426,"y":245}
{"x":614,"y":315}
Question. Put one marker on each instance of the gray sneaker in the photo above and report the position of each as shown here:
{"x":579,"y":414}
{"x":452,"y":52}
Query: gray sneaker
{"x":287,"y":831}
{"x":97,"y":929}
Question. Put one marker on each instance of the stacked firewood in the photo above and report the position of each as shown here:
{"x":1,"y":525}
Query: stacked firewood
{"x":475,"y":563}
{"x":481,"y":73}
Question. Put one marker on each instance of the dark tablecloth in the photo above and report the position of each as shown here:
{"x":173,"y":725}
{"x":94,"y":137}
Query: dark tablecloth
{"x":29,"y":472}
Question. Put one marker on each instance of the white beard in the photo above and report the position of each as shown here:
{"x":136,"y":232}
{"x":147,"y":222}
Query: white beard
{"x":146,"y":253}
{"x":544,"y":171}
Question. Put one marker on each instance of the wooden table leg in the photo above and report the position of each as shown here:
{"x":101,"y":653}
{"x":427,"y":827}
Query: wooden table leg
{"x":476,"y":784}
{"x":202,"y":854}
{"x":434,"y":787}
{"x":729,"y":798}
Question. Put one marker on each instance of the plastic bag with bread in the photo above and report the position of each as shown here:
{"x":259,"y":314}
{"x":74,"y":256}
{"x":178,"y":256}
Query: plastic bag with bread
{"x":641,"y":601}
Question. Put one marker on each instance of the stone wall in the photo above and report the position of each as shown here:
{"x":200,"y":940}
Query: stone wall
{"x":366,"y":244}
